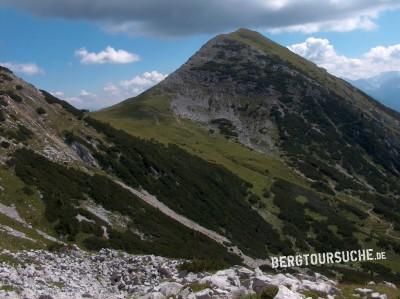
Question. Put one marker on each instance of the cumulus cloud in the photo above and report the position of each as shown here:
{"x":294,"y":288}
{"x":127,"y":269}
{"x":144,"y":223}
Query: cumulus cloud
{"x":182,"y":17}
{"x":374,"y":62}
{"x":135,"y":85}
{"x":23,"y":68}
{"x":113,"y":93}
{"x":85,"y":93}
{"x":84,"y":100}
{"x":142,"y":81}
{"x":108,"y":55}
{"x":111,"y":89}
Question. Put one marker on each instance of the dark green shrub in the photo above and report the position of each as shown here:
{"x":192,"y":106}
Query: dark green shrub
{"x":253,"y":199}
{"x":352,"y":209}
{"x":5,"y":77}
{"x":2,"y":116}
{"x":266,"y":193}
{"x":322,"y":187}
{"x":225,"y":127}
{"x":3,"y":102}
{"x":269,"y":292}
{"x":196,"y":266}
{"x":27,"y":191}
{"x":354,"y":276}
{"x":22,"y":134}
{"x":40,"y":111}
{"x":19,"y":87}
{"x":286,"y":98}
{"x":15,"y":97}
{"x":5,"y":144}
{"x":68,"y":137}
{"x":55,"y":247}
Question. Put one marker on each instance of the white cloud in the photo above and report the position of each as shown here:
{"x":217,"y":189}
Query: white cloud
{"x":180,"y":17}
{"x":112,"y":89}
{"x":135,"y":85}
{"x":108,"y":55}
{"x":84,"y":99}
{"x":23,"y":68}
{"x":361,"y":22}
{"x":85,"y":93}
{"x":374,"y":62}
{"x":113,"y":93}
{"x":144,"y":80}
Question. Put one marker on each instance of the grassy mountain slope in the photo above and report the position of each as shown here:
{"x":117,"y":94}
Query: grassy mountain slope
{"x":68,"y":163}
{"x":53,"y":188}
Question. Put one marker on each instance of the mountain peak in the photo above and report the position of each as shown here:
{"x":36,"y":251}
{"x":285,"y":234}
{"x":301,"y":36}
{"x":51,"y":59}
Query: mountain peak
{"x":250,"y":88}
{"x":248,"y":34}
{"x":252,"y":38}
{"x":254,"y":41}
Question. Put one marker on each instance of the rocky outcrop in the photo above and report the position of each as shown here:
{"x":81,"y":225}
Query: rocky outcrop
{"x":206,"y":95}
{"x":111,"y":274}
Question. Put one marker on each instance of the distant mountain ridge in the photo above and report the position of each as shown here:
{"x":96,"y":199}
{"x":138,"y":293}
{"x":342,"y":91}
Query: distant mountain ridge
{"x":384,"y":87}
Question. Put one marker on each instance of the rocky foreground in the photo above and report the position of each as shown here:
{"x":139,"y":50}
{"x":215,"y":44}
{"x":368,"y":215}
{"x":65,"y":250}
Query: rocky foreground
{"x":112,"y":274}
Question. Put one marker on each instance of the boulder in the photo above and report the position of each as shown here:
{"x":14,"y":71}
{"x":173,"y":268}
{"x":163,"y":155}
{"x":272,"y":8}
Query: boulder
{"x":220,"y":282}
{"x":259,"y":283}
{"x":186,"y":293}
{"x":377,"y":295}
{"x":247,"y":283}
{"x":286,"y":280}
{"x":153,"y":295}
{"x":240,"y":293}
{"x":164,"y":272}
{"x":204,"y":294}
{"x":320,"y":287}
{"x":363,"y":291}
{"x":244,"y":273}
{"x":390,"y":285}
{"x":169,"y":288}
{"x":189,"y":278}
{"x":285,"y":293}
{"x":269,"y":292}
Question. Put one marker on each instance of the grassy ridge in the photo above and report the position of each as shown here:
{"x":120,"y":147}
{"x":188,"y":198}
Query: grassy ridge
{"x":149,"y":116}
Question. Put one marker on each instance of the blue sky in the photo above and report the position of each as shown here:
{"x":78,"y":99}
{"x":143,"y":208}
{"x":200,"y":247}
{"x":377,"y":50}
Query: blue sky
{"x":41,"y":43}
